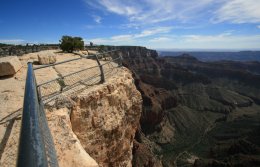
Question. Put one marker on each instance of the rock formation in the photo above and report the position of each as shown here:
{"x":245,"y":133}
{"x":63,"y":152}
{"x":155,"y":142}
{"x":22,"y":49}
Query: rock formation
{"x":9,"y":65}
{"x":46,"y":57}
{"x":105,"y":119}
{"x":68,"y":147}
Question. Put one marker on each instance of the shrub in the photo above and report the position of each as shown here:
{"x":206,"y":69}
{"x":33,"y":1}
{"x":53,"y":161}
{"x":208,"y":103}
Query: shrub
{"x":69,"y":44}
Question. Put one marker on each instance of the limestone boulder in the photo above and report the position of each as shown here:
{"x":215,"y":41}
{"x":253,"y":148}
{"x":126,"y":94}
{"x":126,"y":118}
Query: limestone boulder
{"x":46,"y":57}
{"x":9,"y":65}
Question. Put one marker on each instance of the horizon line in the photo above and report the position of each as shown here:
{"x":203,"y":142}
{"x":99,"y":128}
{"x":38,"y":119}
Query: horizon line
{"x":162,"y":49}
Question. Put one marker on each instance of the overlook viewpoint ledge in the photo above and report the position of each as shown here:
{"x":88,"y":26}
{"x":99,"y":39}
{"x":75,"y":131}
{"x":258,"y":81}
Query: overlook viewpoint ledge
{"x":13,"y":91}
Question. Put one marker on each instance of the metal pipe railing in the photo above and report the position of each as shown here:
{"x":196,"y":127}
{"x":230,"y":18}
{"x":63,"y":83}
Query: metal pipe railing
{"x":99,"y":65}
{"x":65,"y":61}
{"x":32,"y":151}
{"x":31,"y":145}
{"x":49,"y":65}
{"x":101,"y":70}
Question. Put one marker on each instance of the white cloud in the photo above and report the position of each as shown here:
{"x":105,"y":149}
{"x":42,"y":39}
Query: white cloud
{"x":97,"y":19}
{"x":239,"y":11}
{"x":192,"y":41}
{"x":129,"y":25}
{"x":155,"y":11}
{"x":122,"y":38}
{"x":152,"y":11}
{"x":126,"y":38}
{"x":184,"y":15}
{"x":114,"y":40}
{"x":128,"y":8}
{"x":160,"y":39}
{"x":12,"y":41}
{"x":153,"y":31}
{"x":220,"y":41}
{"x":207,"y":38}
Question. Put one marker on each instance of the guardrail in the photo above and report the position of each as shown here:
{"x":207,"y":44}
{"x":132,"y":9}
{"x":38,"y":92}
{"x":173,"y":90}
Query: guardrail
{"x":96,"y":56}
{"x":56,"y":86}
{"x":36,"y":148}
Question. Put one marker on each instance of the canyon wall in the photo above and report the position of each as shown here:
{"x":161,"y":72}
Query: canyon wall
{"x":190,"y":106}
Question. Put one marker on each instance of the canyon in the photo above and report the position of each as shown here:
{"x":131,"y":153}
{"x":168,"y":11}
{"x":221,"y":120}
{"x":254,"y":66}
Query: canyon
{"x":155,"y":111}
{"x":195,"y":113}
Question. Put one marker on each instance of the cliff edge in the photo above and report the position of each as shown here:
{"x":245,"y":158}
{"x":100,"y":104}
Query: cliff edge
{"x":94,"y":127}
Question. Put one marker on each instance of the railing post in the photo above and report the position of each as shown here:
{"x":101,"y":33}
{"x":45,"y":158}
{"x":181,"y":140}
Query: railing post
{"x":101,"y":70}
{"x":31,"y":150}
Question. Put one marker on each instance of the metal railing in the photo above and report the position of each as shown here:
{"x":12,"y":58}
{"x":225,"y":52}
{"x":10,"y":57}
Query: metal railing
{"x":33,"y":144}
{"x":88,"y":76}
{"x":96,"y":56}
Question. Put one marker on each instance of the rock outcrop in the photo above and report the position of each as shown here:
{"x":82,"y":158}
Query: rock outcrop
{"x":46,"y":57}
{"x":105,"y":120}
{"x":9,"y":65}
{"x":68,"y":147}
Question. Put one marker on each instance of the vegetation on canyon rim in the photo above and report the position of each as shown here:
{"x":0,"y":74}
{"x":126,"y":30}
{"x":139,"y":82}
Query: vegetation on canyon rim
{"x":70,"y":44}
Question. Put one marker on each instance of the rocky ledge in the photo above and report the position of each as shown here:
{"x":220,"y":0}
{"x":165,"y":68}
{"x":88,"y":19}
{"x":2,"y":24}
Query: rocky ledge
{"x":104,"y":120}
{"x":95,"y":127}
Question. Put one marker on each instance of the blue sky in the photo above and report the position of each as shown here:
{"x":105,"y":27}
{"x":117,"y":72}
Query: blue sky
{"x":164,"y":24}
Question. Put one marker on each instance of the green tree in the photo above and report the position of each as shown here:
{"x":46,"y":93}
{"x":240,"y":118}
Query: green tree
{"x":69,"y":44}
{"x":78,"y":43}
